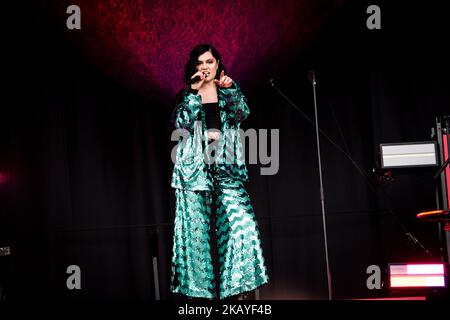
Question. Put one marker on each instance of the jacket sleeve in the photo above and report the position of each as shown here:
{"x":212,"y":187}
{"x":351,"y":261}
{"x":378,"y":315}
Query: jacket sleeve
{"x":236,"y":103}
{"x":187,"y":109}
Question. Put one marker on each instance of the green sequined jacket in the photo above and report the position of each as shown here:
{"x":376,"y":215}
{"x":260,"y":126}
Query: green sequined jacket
{"x":190,"y":169}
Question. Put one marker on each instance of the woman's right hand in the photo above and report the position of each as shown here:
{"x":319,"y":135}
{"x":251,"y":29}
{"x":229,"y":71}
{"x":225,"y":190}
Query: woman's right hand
{"x":197,"y":85}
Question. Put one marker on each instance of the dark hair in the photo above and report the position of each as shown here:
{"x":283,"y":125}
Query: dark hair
{"x":190,"y":67}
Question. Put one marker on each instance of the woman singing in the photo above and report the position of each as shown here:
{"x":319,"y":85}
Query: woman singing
{"x":208,"y":178}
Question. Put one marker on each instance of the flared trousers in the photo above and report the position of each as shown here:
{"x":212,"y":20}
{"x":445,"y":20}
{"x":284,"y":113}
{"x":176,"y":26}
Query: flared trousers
{"x":240,"y":257}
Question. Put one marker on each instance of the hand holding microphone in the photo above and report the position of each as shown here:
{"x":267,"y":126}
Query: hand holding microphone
{"x":197,"y":79}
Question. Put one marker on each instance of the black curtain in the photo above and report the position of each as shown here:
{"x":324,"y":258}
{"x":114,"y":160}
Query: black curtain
{"x":86,"y":162}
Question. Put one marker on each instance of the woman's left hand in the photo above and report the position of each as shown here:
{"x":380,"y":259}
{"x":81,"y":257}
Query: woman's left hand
{"x":225,"y":81}
{"x":213,"y":135}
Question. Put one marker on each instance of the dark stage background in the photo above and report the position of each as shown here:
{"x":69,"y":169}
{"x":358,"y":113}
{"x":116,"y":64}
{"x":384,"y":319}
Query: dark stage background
{"x":85,"y":159}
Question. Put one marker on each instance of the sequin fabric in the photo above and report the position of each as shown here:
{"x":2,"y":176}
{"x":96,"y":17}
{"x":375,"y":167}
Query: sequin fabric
{"x":241,"y":260}
{"x":197,"y":184}
{"x":190,"y":170}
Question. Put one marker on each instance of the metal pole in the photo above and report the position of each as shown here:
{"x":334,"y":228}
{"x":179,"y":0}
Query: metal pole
{"x":322,"y":196}
{"x":155,"y":278}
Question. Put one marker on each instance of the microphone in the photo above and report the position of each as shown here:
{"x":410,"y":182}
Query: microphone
{"x":197,"y":78}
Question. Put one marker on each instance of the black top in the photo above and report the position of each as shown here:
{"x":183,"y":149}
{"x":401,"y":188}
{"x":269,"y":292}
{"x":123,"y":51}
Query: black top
{"x":212,"y":115}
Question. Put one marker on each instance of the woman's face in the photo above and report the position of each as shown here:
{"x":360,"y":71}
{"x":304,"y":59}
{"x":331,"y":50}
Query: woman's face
{"x":207,"y":63}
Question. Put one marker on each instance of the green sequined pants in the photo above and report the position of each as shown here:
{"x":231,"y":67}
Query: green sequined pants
{"x":241,"y":260}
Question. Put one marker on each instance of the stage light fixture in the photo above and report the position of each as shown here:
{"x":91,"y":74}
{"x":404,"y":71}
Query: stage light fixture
{"x":408,"y":154}
{"x":417,"y":275}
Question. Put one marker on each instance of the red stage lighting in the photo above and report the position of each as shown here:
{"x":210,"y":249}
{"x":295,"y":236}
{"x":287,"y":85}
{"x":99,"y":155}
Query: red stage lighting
{"x":416,"y":275}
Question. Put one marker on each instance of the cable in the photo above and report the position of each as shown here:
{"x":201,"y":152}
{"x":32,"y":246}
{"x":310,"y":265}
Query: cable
{"x":408,"y":234}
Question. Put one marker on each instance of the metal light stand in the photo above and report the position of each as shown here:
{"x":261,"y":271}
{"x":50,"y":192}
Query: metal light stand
{"x":312,"y":77}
